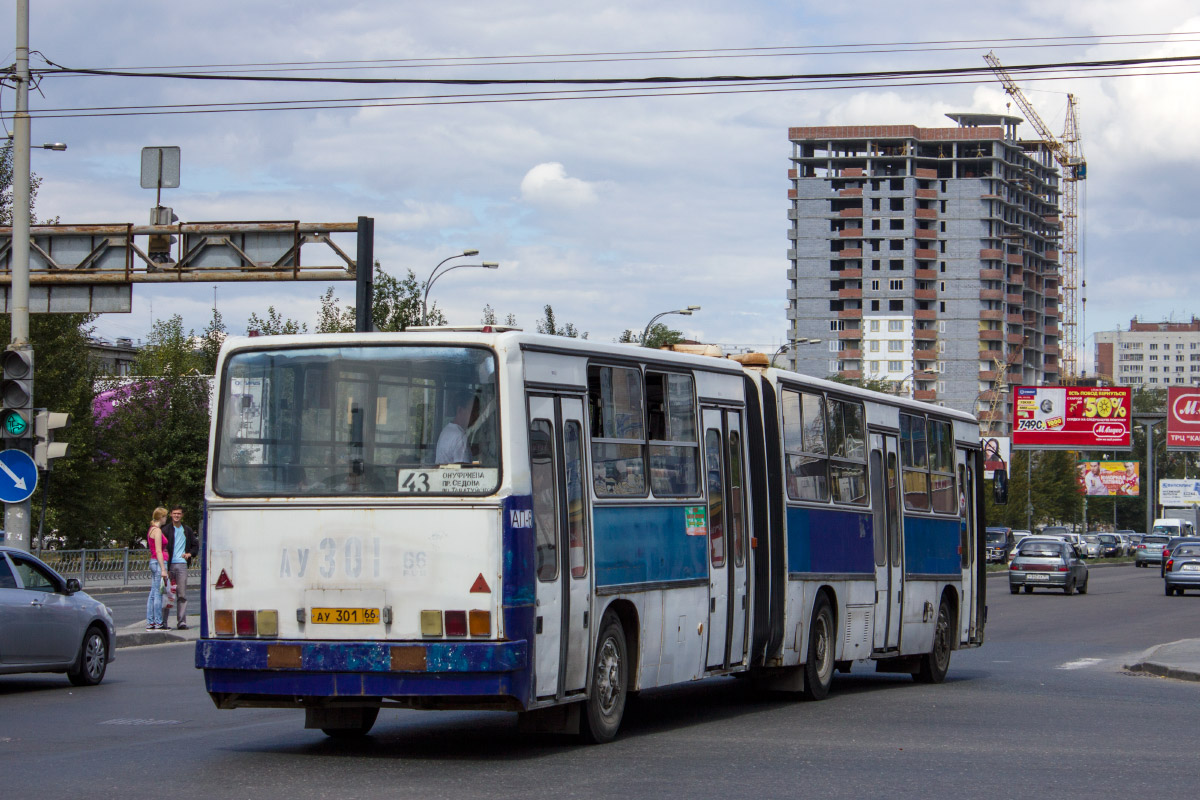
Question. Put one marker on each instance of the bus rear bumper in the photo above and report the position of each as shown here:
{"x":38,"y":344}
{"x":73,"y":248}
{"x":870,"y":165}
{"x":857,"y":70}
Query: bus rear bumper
{"x":294,"y":674}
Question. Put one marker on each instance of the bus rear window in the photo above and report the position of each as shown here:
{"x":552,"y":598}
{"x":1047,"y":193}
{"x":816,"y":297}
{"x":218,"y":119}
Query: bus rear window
{"x":335,"y":421}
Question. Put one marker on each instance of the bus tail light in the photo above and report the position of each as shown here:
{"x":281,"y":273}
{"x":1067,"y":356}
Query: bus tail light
{"x":456,"y":623}
{"x":431,"y":623}
{"x":245,"y":623}
{"x":480,"y":622}
{"x":268,"y":623}
{"x":223,"y":622}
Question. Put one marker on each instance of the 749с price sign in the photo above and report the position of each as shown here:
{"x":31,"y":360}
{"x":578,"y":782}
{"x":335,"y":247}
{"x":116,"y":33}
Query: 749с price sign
{"x":1072,"y":417}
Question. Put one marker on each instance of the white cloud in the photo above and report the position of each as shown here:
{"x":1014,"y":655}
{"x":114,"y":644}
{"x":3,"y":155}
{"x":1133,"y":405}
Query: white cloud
{"x":549,"y":185}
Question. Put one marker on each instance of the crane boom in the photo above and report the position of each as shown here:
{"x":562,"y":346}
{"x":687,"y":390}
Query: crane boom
{"x":1068,"y":152}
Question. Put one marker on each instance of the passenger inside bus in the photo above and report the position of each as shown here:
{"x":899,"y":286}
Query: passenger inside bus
{"x":452,"y":445}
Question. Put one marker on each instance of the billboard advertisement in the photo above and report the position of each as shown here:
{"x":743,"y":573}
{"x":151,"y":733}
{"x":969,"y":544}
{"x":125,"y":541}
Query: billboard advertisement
{"x":1183,"y":418}
{"x":1072,"y":417}
{"x":1109,"y":478}
{"x":1179,"y":492}
{"x":996,"y":452}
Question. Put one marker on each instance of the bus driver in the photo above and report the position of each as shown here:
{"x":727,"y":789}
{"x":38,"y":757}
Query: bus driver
{"x":452,"y":445}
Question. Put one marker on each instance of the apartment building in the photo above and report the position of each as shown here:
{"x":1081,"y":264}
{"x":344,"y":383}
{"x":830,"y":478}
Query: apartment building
{"x":1153,"y":354}
{"x":927,"y":258}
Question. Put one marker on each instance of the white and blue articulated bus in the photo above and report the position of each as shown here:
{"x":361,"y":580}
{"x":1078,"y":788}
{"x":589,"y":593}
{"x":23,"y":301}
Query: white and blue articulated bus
{"x":490,"y":519}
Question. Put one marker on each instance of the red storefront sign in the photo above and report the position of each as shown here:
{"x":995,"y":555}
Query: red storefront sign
{"x":1072,"y":417}
{"x":1183,"y":417}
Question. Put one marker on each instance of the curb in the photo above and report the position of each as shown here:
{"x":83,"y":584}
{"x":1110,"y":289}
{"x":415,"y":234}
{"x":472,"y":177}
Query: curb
{"x":1164,"y":671}
{"x":147,"y":637}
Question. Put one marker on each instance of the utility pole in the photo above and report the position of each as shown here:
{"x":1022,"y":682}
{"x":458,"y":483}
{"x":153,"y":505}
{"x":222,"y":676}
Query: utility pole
{"x":16,"y":515}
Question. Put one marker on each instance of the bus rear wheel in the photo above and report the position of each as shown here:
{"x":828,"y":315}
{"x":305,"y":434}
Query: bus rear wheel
{"x":818,"y":667}
{"x":936,"y":663}
{"x":610,"y":676}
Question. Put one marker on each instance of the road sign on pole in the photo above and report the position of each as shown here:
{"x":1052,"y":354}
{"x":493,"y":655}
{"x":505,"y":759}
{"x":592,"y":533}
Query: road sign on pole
{"x":18,"y":476}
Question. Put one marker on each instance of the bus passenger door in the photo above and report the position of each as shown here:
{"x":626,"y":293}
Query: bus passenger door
{"x":560,"y":515}
{"x":727,"y":603}
{"x":889,"y":569}
{"x":967,"y":534}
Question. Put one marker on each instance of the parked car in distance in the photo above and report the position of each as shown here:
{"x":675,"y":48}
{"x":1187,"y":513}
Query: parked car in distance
{"x":1091,"y":545}
{"x":1169,"y":548}
{"x":1182,"y":570}
{"x":1149,"y":550}
{"x":999,"y":544}
{"x":1047,"y":563}
{"x":1110,"y":545}
{"x":47,"y":624}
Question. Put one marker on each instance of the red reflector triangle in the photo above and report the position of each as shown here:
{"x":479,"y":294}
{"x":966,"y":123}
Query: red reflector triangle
{"x":223,"y":581}
{"x":481,"y":585}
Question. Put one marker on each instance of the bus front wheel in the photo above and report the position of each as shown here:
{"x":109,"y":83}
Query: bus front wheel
{"x":606,"y":700}
{"x":818,"y":667}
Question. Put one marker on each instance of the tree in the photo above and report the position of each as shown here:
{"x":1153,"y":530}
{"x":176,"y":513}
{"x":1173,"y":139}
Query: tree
{"x":168,"y":351}
{"x":396,"y":306}
{"x":274,"y":324}
{"x":210,"y":343}
{"x":489,"y":317}
{"x":660,"y":336}
{"x":872,"y":384}
{"x":549,"y":325}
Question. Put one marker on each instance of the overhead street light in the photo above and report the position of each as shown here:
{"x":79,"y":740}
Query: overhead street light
{"x":433,"y":276}
{"x":685,"y":312}
{"x":785,"y":347}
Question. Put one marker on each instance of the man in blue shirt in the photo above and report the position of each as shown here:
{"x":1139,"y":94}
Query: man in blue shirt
{"x":182,"y":544}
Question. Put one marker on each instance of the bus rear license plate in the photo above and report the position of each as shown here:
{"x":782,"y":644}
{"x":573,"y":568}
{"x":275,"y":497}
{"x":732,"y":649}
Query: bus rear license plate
{"x":345,"y":616}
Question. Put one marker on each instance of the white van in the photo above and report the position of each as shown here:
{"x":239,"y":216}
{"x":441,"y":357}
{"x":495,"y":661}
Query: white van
{"x":1173,"y":527}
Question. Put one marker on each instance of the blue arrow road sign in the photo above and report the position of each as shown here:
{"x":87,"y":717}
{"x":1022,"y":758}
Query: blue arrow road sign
{"x":18,"y":476}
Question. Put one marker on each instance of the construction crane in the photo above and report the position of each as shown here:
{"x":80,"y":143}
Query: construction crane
{"x":1068,"y":152}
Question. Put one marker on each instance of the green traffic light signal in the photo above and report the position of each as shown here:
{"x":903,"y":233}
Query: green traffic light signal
{"x":13,"y":423}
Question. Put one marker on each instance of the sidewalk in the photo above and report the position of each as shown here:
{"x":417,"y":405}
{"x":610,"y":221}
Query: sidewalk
{"x":136,"y":634}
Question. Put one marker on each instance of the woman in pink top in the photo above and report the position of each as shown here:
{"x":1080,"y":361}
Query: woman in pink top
{"x":158,"y":568}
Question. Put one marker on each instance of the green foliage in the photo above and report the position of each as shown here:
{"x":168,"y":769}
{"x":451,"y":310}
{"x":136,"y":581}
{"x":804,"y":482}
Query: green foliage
{"x":489,"y":318}
{"x":660,"y":336}
{"x":168,"y":351}
{"x":274,"y":324}
{"x":396,"y":306}
{"x":548,"y":324}
{"x":210,"y":343}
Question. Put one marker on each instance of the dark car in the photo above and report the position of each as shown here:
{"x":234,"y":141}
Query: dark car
{"x":1169,"y":548}
{"x":48,"y":625}
{"x":1110,"y":545}
{"x":999,"y":544}
{"x":1182,"y":570}
{"x":1047,"y":564}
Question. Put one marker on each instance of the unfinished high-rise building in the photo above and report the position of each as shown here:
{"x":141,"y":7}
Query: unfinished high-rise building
{"x":926,"y":258}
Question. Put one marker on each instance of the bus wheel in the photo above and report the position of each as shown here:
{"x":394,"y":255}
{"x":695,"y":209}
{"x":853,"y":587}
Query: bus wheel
{"x":606,"y":700}
{"x":366,"y":720}
{"x":936,"y":664}
{"x":818,"y":667}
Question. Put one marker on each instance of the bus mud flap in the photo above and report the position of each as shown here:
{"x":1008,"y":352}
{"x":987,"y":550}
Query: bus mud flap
{"x":555,"y":719}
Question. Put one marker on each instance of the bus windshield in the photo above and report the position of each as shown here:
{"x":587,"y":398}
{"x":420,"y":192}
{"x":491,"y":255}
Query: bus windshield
{"x":375,"y":420}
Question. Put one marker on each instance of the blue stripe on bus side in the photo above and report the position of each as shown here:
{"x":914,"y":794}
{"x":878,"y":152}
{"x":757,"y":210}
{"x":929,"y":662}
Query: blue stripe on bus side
{"x":646,"y":544}
{"x":241,"y":655}
{"x":518,"y":592}
{"x":829,"y":540}
{"x":931,"y":546}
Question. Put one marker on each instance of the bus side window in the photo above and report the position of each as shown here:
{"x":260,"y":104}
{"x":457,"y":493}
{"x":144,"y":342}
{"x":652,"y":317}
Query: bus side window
{"x":674,"y":448}
{"x":716,"y":496}
{"x":914,"y":457}
{"x":618,"y":431}
{"x":805,"y":446}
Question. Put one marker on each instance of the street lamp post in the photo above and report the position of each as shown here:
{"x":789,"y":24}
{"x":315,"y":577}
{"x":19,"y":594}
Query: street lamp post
{"x":686,"y":312}
{"x":785,"y":347}
{"x":433,"y":276}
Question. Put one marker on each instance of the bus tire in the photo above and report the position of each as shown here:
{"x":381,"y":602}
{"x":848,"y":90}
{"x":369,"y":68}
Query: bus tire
{"x":935,"y":664}
{"x":610,"y":677}
{"x":366,"y":721}
{"x":818,"y":666}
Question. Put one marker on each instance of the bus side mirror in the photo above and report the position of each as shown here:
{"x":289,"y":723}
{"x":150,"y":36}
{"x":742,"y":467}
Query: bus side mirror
{"x":1000,"y":487}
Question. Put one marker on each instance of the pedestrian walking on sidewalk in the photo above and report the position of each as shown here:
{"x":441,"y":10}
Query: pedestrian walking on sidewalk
{"x":157,"y":544}
{"x":182,"y":544}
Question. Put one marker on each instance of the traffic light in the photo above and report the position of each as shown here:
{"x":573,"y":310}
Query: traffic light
{"x":16,"y":393}
{"x":44,"y":447}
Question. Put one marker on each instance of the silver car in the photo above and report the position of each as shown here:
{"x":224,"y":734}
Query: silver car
{"x":1182,"y":569}
{"x":1149,"y":550}
{"x":48,"y":625}
{"x":1047,"y":564}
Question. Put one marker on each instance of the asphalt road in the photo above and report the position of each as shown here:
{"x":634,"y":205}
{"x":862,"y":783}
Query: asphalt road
{"x":1043,"y":709}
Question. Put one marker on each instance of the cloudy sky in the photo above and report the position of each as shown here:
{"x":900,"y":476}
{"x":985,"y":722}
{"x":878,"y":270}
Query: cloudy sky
{"x":611,"y":209}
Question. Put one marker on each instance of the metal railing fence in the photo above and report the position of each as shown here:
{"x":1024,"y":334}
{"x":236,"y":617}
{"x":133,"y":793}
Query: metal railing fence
{"x":108,"y":567}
